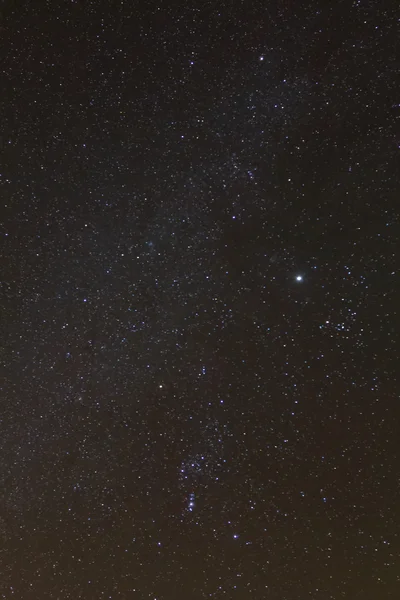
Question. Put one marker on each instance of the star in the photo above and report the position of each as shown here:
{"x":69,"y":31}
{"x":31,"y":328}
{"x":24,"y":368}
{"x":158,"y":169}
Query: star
{"x":196,"y":381}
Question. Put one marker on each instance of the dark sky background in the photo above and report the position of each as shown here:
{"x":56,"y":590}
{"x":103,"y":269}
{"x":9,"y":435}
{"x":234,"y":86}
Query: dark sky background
{"x":200,"y":330}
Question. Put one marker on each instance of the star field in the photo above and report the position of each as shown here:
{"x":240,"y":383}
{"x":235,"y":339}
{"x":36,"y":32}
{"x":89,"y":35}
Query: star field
{"x":199,"y":301}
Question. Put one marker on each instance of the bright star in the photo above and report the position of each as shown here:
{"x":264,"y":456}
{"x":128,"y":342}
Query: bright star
{"x":299,"y":278}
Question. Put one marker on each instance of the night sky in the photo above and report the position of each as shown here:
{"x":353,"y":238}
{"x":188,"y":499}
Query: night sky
{"x":200,"y":343}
